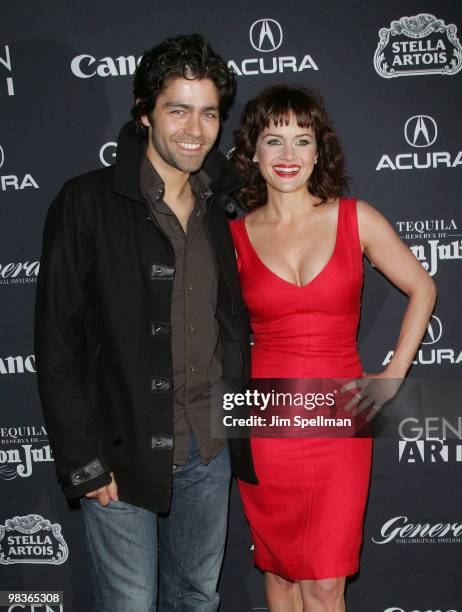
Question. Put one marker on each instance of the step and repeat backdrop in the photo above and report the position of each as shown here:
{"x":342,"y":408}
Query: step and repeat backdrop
{"x":391,"y":77}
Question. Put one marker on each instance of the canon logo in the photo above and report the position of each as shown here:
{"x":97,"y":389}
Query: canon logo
{"x":398,"y":528}
{"x":86,"y":66}
{"x":17,"y":365}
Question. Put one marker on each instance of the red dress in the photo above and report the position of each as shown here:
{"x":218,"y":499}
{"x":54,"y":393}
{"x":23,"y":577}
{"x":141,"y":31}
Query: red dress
{"x":306,"y":513}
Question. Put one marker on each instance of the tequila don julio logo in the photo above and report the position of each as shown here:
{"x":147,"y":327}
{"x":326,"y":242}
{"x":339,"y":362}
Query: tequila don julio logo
{"x":21,"y":448}
{"x":32,"y":539}
{"x":434,"y":242}
{"x":418,"y":45}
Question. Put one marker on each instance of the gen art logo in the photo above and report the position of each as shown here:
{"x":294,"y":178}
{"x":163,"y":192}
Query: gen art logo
{"x":418,"y":45}
{"x":6,"y":71}
{"x":266,"y":37}
{"x":420,"y":132}
{"x":432,"y":440}
{"x":32,"y":539}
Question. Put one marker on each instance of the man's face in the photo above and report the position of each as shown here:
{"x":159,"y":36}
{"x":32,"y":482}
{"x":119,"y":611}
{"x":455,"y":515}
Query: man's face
{"x":185,"y":124}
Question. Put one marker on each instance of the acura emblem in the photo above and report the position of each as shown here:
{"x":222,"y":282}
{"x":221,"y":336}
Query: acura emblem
{"x":420,"y":131}
{"x":434,"y":331}
{"x":265,"y":35}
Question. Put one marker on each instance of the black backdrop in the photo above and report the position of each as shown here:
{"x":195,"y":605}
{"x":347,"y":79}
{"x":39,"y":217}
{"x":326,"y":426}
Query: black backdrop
{"x":391,"y":81}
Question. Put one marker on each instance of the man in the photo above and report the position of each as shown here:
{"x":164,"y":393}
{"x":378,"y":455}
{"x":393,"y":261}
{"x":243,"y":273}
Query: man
{"x":139,"y":316}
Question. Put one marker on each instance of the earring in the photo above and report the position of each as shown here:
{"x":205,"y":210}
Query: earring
{"x":316,"y":161}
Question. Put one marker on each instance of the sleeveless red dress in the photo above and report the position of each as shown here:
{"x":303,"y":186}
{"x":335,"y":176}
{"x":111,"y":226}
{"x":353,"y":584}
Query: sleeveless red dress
{"x":306,"y":513}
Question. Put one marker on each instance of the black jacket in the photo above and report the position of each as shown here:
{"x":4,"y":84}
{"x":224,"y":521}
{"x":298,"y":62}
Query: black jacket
{"x":103,"y":345}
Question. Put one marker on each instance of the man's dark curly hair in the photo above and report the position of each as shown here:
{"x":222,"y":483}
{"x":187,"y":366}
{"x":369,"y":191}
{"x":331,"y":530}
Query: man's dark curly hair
{"x":275,"y":105}
{"x":187,"y":56}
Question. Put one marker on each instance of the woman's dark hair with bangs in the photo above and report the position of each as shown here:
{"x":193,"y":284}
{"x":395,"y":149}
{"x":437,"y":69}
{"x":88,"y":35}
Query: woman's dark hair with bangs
{"x":275,"y":105}
{"x":187,"y":56}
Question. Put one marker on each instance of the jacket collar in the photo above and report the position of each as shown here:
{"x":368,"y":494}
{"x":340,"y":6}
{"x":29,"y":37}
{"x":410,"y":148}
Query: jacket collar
{"x":130,"y":151}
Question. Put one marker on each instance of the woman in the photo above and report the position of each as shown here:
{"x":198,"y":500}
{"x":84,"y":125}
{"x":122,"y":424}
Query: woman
{"x":300,"y":256}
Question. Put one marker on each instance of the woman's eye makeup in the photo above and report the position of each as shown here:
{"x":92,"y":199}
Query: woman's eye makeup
{"x":277,"y":141}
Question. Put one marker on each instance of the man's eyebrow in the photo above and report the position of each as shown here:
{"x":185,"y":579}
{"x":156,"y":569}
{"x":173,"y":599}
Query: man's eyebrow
{"x":189,"y":106}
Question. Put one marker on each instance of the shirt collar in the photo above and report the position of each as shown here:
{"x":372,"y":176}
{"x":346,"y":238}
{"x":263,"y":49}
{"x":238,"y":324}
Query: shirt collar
{"x":152,"y":186}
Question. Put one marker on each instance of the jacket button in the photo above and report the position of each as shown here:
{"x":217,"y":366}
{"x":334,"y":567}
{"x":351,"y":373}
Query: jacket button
{"x":158,"y":442}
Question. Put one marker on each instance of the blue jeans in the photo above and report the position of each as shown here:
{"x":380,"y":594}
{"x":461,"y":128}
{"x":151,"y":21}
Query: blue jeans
{"x":131,"y":549}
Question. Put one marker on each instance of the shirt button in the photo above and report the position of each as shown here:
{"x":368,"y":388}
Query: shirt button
{"x":192,"y":329}
{"x":192,"y":368}
{"x":190,"y":288}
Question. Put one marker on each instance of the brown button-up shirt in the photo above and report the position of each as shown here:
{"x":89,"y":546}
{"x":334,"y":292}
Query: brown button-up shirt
{"x":196,"y":350}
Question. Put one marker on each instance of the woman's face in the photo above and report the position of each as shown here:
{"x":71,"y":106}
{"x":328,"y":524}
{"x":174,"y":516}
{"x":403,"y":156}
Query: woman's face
{"x":286,"y":155}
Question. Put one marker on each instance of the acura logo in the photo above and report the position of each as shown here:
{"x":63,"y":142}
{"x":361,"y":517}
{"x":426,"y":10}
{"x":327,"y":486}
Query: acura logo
{"x":434,"y":331}
{"x":420,"y":131}
{"x":2,"y":156}
{"x":265,"y":35}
